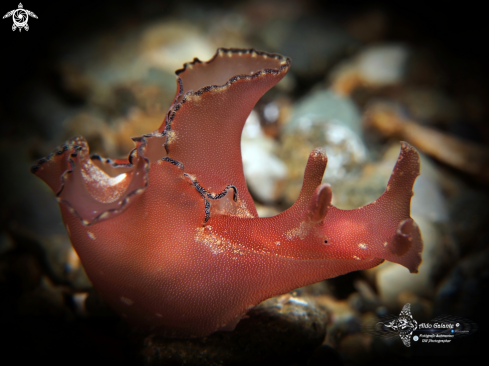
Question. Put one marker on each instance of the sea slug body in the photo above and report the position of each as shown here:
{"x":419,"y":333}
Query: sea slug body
{"x":170,"y":237}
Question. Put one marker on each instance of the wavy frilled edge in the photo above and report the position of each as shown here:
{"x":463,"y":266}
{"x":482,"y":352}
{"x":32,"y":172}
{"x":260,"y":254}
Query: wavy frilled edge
{"x":78,"y":145}
{"x":76,"y":148}
{"x":165,"y":128}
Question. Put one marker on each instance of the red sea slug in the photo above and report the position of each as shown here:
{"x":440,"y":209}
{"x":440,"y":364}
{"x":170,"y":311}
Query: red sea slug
{"x":170,"y":237}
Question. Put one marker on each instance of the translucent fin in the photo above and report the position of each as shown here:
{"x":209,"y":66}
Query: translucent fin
{"x":94,"y":188}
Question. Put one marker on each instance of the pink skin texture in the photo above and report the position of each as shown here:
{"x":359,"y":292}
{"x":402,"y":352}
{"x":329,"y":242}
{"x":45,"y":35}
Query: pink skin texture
{"x":170,"y":237}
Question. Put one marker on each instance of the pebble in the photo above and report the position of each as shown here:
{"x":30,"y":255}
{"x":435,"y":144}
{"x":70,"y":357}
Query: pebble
{"x":324,"y":105}
{"x":167,"y":45}
{"x":464,"y":289}
{"x":430,"y":106}
{"x":384,"y":64}
{"x":343,"y":319}
{"x":281,"y":330}
{"x":328,"y":120}
{"x":264,"y":171}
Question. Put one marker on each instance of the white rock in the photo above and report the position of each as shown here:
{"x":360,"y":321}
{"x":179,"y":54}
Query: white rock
{"x":264,"y":171}
{"x":168,"y":45}
{"x":333,"y":122}
{"x":383,"y":64}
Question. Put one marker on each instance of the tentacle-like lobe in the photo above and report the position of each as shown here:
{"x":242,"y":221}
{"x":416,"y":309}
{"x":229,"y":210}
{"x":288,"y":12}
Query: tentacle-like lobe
{"x":173,"y":252}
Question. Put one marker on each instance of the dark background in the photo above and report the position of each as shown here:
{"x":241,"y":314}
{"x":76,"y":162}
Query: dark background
{"x":457,"y":31}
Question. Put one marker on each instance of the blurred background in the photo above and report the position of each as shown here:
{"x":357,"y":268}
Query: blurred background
{"x":364,"y":76}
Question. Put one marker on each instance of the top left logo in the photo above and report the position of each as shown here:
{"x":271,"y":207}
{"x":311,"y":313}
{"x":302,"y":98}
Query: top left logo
{"x":20,"y":17}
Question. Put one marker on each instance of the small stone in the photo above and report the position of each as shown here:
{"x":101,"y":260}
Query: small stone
{"x":464,"y":290}
{"x":343,"y":318}
{"x":383,"y":64}
{"x":167,"y":45}
{"x":325,"y":106}
{"x":374,"y":67}
{"x":75,"y":85}
{"x":46,"y":300}
{"x":265,"y":173}
{"x":313,"y":42}
{"x":323,"y":119}
{"x":365,"y":299}
{"x":430,"y":106}
{"x":284,"y":329}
